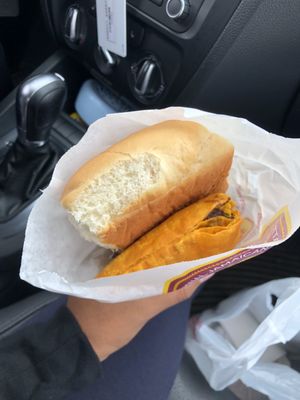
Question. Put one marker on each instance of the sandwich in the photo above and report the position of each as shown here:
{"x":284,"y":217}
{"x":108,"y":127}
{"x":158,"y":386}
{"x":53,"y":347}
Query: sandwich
{"x":133,"y":186}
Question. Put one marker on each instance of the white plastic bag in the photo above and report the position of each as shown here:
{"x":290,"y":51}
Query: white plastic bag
{"x":222,"y":364}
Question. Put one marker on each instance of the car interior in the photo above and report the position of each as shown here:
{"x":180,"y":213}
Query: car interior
{"x":235,"y":57}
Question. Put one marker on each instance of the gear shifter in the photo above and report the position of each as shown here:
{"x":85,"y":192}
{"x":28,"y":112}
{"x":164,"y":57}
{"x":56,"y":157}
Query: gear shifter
{"x":39,"y":101}
{"x":28,"y":165}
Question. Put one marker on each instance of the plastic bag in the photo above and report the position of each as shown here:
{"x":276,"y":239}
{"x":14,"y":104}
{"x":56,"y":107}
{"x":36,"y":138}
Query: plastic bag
{"x":222,"y":364}
{"x":56,"y":258}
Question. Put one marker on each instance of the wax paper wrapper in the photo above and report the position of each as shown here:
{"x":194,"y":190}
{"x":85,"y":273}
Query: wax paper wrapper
{"x":264,"y":182}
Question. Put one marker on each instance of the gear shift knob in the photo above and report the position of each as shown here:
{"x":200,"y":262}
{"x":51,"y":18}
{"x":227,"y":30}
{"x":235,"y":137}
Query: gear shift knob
{"x":39,"y":101}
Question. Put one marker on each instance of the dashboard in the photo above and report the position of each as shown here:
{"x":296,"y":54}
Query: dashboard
{"x":165,"y":43}
{"x":236,"y":57}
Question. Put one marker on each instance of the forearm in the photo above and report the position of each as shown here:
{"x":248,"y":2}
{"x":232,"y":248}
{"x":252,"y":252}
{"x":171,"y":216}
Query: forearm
{"x":47,"y":360}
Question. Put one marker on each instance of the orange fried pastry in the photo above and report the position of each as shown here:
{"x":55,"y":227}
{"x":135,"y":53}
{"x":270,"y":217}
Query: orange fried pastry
{"x":202,"y":229}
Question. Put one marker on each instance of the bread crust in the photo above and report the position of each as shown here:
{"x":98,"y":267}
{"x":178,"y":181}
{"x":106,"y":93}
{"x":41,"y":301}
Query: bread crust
{"x":193,"y":161}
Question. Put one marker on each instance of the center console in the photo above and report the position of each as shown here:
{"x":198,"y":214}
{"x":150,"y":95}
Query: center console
{"x":167,"y":41}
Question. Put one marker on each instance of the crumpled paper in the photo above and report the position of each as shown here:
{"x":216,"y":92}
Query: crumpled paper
{"x":264,"y":182}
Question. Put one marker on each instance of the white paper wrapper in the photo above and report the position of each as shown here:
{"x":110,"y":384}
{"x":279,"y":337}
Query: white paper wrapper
{"x":264,"y":181}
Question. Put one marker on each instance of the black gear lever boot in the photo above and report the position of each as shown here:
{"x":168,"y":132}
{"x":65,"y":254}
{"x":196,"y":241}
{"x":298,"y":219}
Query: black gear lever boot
{"x":23,"y":172}
{"x":28,"y":165}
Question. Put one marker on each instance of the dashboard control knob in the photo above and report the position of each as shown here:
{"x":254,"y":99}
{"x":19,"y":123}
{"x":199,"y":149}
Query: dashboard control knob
{"x":110,"y":59}
{"x":105,"y":60}
{"x":148,"y":83}
{"x":177,"y":9}
{"x":145,"y":77}
{"x":72,"y":26}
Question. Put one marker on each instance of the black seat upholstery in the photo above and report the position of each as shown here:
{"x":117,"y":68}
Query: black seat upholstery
{"x":21,"y":313}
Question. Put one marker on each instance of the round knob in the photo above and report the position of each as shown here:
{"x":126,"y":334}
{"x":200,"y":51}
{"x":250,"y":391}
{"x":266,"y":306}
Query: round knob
{"x":74,"y":26}
{"x":105,"y":60}
{"x":147,"y":79}
{"x":177,"y":9}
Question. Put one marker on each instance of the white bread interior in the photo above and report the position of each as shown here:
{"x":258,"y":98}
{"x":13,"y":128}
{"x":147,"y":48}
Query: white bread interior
{"x":123,"y":192}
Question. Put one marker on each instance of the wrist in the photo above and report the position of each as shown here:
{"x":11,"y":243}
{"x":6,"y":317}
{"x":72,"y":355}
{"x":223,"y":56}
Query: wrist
{"x":84,"y":311}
